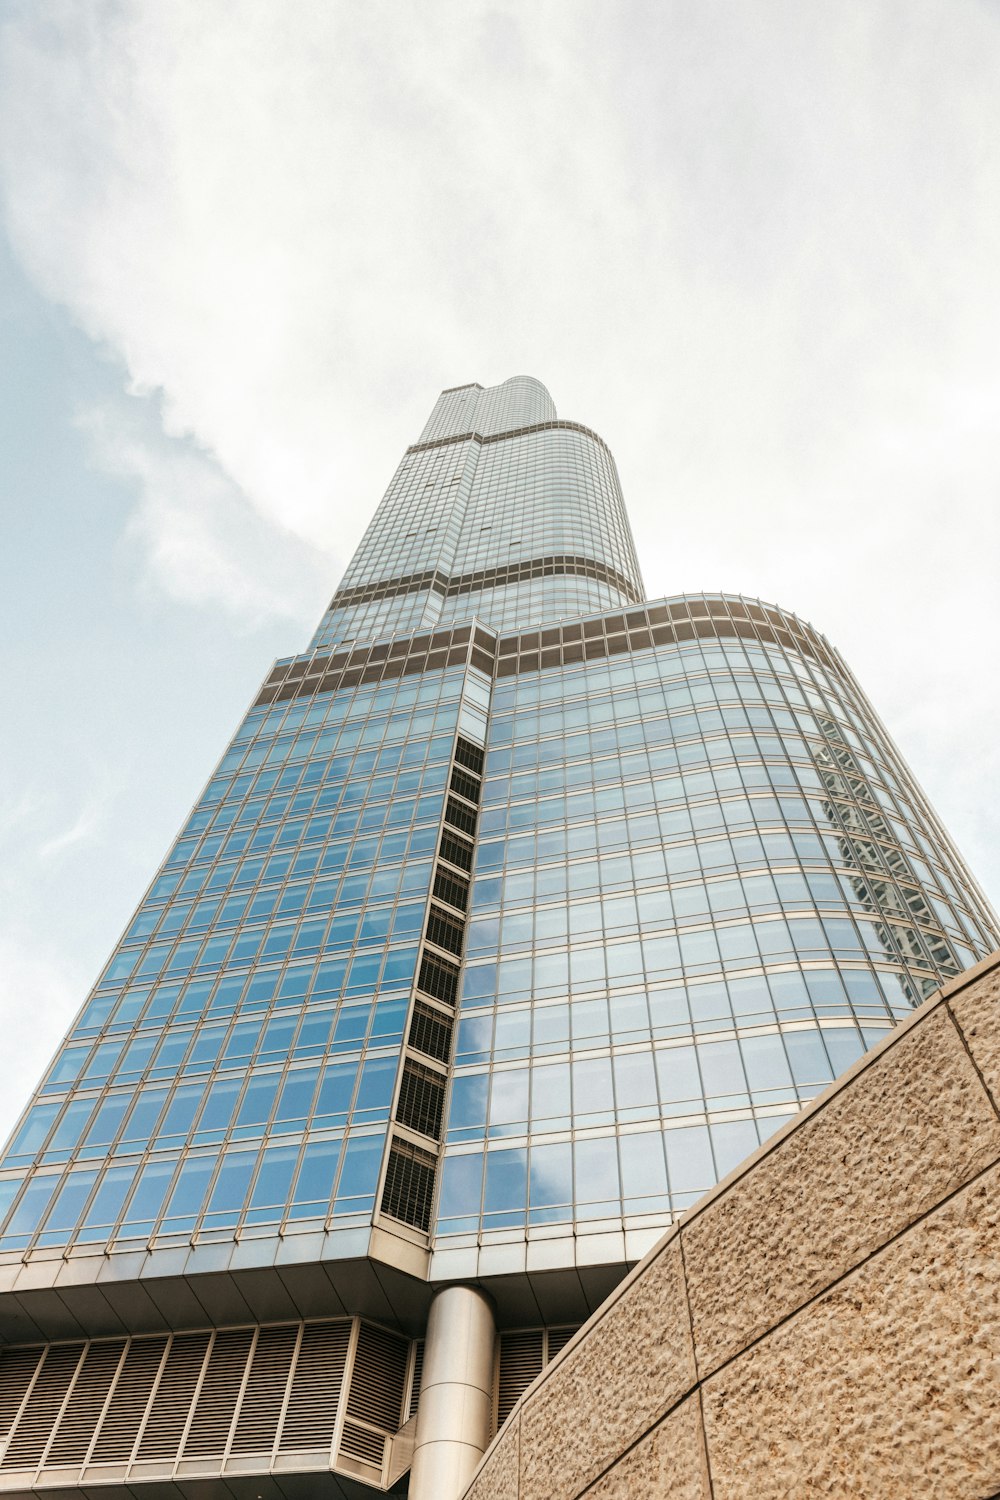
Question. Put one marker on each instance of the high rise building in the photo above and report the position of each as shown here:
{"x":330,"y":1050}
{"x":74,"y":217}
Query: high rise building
{"x":519,"y":910}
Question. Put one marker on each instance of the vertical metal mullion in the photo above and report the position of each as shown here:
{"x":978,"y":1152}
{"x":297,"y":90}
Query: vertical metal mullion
{"x":107,"y":1401}
{"x":152,"y":1397}
{"x":43,"y":1356}
{"x":345,"y":1390}
{"x":149,"y":1402}
{"x":63,"y":1404}
{"x":206,"y":1357}
{"x":288,"y":1393}
{"x":227,"y":1450}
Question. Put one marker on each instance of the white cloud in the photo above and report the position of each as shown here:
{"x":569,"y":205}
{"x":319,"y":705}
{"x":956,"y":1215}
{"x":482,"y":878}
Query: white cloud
{"x":755,"y":246}
{"x":200,"y":539}
{"x":38,"y":997}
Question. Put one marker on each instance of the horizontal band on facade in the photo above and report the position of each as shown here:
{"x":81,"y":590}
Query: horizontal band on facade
{"x":556,"y":425}
{"x":437,"y":582}
{"x":662,"y":624}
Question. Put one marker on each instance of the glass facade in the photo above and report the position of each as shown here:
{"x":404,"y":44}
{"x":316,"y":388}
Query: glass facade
{"x":519,"y":908}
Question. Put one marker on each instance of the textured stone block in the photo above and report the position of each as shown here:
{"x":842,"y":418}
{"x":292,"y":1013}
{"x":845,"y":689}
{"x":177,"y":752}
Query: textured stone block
{"x":498,"y":1479}
{"x":886,"y":1387}
{"x":670,"y":1462}
{"x":892,"y":1143}
{"x":977,"y":1012}
{"x":632,"y":1367}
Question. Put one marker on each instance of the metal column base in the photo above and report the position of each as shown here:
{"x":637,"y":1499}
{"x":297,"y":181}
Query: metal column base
{"x":455,"y":1415}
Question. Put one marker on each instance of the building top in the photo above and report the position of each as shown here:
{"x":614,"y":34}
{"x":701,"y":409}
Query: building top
{"x":520,"y":401}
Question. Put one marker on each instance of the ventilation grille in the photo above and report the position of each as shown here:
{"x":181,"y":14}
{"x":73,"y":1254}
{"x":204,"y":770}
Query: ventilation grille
{"x":38,"y":1418}
{"x":460,"y":816}
{"x":465,"y":785}
{"x":438,"y":978}
{"x":430,"y":1033}
{"x":409,"y":1185}
{"x":418,"y":1375}
{"x":556,"y":1339}
{"x":235,"y":1393}
{"x":378,"y":1377}
{"x":316,"y":1387}
{"x":421,"y":1100}
{"x":83,"y":1409}
{"x":17,"y":1366}
{"x":264,"y":1397}
{"x":522,"y":1357}
{"x":445,"y":931}
{"x":220,"y":1391}
{"x":456,"y":851}
{"x":129,"y":1400}
{"x":450,"y":888}
{"x":161,"y":1436}
{"x":469,"y":755}
{"x":362,"y":1443}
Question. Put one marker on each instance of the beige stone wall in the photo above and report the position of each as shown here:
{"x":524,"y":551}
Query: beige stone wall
{"x":825,"y":1322}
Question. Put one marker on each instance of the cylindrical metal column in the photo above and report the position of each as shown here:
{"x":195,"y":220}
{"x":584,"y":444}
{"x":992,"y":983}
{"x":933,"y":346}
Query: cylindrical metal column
{"x":455,"y":1414}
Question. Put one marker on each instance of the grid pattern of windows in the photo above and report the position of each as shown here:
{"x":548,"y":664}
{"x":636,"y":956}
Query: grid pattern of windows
{"x":586,"y":909}
{"x":704,"y":884}
{"x":507,"y":520}
{"x":234,"y":1070}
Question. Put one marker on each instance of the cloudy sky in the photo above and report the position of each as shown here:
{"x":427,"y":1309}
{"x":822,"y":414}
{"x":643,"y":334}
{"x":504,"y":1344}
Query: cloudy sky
{"x":243,"y":247}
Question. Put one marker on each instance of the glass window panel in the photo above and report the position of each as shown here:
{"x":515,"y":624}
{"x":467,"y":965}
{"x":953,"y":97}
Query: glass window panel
{"x":765,"y":1062}
{"x":808,"y":1058}
{"x":596,"y":1170}
{"x":677,"y":1069}
{"x":468,"y":1101}
{"x":359,"y":1174}
{"x":733,"y":1141}
{"x":461,"y":1185}
{"x":314,"y":1184}
{"x":506,"y":1181}
{"x":509,"y":1098}
{"x":189,"y":1191}
{"x":551,"y":1180}
{"x":108,"y":1200}
{"x":644,"y":1171}
{"x":689,"y":1159}
{"x":29,"y":1210}
{"x":144,"y":1206}
{"x":721,"y":1068}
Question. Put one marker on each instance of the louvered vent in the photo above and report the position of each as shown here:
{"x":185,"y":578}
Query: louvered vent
{"x":28,"y":1440}
{"x":430,"y":1032}
{"x":17,"y":1366}
{"x":362,"y":1443}
{"x":439,"y":978}
{"x":378,"y":1378}
{"x":557,"y":1339}
{"x":260,"y":1410}
{"x":316,"y":1387}
{"x":469,"y":755}
{"x":421,"y":1100}
{"x":465,"y":785}
{"x":418,"y":1375}
{"x":129,"y":1400}
{"x":409,"y":1185}
{"x":460,"y":816}
{"x":521,"y":1359}
{"x":456,"y":851}
{"x":220,"y":1391}
{"x":450,"y":888}
{"x":83,"y":1410}
{"x":445,"y":930}
{"x":168,"y":1415}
